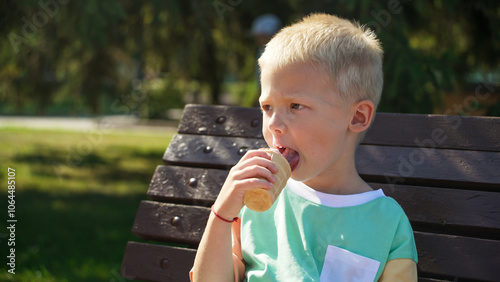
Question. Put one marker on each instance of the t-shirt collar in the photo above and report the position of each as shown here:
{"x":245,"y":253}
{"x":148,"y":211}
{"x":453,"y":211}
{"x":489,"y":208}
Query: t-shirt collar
{"x":332,"y":200}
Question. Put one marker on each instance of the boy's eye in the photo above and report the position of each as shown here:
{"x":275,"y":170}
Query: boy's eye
{"x":266,"y":108}
{"x":296,"y":106}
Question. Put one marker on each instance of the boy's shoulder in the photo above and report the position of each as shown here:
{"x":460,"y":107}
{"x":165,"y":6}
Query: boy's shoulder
{"x":390,"y":203}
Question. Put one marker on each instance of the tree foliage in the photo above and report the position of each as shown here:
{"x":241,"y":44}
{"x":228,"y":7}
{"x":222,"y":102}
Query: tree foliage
{"x":142,"y":57}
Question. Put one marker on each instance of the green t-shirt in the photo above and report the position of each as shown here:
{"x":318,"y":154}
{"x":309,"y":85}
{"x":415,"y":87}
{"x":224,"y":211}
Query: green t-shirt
{"x":312,"y":236}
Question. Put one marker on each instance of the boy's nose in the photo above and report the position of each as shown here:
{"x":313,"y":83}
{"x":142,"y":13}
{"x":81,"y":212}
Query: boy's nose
{"x":276,"y":124}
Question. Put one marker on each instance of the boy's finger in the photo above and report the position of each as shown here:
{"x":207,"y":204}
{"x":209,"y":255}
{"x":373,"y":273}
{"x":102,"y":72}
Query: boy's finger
{"x":256,"y":153}
{"x":257,"y":171}
{"x":261,"y":161}
{"x":251,"y":183}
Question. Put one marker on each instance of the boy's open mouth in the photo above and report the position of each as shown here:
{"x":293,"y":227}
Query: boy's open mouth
{"x":290,"y":155}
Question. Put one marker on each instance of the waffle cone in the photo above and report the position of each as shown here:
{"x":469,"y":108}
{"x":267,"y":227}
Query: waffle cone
{"x":259,"y":199}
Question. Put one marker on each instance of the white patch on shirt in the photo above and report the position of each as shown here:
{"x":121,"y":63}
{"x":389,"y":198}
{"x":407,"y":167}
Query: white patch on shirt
{"x":342,"y":265}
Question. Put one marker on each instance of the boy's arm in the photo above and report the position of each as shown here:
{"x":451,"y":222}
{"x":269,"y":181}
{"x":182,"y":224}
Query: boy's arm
{"x":214,"y":258}
{"x":400,"y":270}
{"x":238,"y":262}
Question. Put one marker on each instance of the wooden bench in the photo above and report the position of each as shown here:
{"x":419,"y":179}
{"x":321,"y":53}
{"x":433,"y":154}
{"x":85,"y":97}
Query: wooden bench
{"x":443,"y":170}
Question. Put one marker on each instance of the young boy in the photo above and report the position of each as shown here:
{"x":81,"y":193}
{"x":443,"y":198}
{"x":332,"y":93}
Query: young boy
{"x":321,"y":83}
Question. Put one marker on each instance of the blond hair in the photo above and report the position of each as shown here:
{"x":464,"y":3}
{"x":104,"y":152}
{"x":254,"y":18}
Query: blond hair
{"x":350,"y":54}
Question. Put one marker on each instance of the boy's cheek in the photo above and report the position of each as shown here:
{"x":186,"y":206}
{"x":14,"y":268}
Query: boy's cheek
{"x":268,"y":137}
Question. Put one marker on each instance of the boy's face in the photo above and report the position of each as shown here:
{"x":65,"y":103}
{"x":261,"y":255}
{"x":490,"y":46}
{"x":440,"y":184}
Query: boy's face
{"x":304,"y":118}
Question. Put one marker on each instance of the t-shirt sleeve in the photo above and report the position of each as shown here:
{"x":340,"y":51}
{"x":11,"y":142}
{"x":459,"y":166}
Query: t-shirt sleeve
{"x":399,"y":270}
{"x":403,"y":245}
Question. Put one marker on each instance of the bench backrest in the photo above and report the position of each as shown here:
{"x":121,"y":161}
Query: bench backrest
{"x":443,"y":170}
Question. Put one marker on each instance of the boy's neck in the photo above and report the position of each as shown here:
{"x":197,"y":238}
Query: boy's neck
{"x":342,"y":181}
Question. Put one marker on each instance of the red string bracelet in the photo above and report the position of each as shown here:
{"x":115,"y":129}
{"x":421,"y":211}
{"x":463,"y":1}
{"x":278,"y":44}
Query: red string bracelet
{"x":223,"y":219}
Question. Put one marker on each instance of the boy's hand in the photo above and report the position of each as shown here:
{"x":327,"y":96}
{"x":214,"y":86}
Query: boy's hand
{"x":254,"y":170}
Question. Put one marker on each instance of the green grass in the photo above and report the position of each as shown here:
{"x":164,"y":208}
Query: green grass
{"x":76,"y":198}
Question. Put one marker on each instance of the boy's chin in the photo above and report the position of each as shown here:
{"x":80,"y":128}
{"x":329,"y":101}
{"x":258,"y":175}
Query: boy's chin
{"x":297,"y":176}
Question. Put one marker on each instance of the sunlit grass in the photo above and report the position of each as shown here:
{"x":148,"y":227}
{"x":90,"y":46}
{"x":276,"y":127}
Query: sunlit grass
{"x":76,"y":198}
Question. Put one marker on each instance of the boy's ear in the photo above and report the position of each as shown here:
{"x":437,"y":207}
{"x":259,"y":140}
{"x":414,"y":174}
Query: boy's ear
{"x":362,"y":116}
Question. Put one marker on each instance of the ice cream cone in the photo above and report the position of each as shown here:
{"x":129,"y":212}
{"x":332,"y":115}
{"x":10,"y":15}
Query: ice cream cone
{"x":259,"y":199}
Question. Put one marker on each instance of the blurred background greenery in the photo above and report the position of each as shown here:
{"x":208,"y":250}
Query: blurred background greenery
{"x":77,"y":190}
{"x":74,"y":57}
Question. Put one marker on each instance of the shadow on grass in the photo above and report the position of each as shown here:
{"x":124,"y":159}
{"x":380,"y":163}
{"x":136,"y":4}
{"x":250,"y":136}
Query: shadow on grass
{"x":104,"y":169}
{"x":46,"y":154}
{"x":109,"y":175}
{"x":148,"y":154}
{"x":77,"y":237}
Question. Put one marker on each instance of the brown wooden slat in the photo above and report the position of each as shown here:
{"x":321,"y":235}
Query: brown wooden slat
{"x":437,"y":131}
{"x":170,"y":222}
{"x":222,"y":121}
{"x":186,"y":185}
{"x":447,"y":207}
{"x":452,"y":168}
{"x":458,"y":256}
{"x":209,"y":151}
{"x":391,"y":129}
{"x":156,"y":262}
